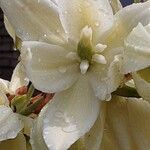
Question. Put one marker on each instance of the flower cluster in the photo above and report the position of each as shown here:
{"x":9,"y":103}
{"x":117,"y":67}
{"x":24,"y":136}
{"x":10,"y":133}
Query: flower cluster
{"x":94,"y":55}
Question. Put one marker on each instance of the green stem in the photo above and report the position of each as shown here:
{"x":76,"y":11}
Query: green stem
{"x":127,"y":91}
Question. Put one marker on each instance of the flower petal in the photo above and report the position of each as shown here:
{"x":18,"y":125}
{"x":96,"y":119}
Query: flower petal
{"x":116,"y":5}
{"x":75,"y":15}
{"x":92,"y":139}
{"x":4,"y":86}
{"x":18,"y":79}
{"x":32,"y":20}
{"x":70,"y":115}
{"x":27,"y":124}
{"x":36,"y":137}
{"x":127,"y":125}
{"x":10,"y":125}
{"x":47,"y":66}
{"x":137,"y":49}
{"x":142,"y":83}
{"x":10,"y":29}
{"x":126,"y":19}
{"x":19,"y":143}
{"x":3,"y":99}
{"x":129,"y":17}
{"x":105,"y":79}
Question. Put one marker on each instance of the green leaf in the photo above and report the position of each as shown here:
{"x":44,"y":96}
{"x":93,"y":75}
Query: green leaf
{"x":19,"y":102}
{"x":127,"y":91}
{"x":30,"y":91}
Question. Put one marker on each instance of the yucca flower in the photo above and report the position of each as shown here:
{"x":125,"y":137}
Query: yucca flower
{"x":136,"y":58}
{"x":71,"y":48}
{"x":10,"y":123}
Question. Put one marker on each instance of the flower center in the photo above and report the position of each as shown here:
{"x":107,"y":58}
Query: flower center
{"x":86,"y":53}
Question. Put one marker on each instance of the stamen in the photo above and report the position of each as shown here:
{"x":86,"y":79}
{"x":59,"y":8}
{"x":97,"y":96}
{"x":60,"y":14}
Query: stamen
{"x":72,"y":56}
{"x":99,"y":59}
{"x":100,"y":47}
{"x":86,"y":33}
{"x":84,"y":66}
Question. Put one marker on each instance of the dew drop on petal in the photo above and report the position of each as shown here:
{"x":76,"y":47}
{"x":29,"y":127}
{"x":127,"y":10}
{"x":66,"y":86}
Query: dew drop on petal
{"x":62,"y":69}
{"x":97,"y":24}
{"x":66,"y":12}
{"x":70,"y":128}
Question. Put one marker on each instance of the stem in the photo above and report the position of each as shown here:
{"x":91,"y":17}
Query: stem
{"x":127,"y":91}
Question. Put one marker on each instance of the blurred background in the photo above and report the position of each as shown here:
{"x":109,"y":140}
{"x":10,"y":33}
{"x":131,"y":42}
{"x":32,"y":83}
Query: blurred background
{"x":9,"y":57}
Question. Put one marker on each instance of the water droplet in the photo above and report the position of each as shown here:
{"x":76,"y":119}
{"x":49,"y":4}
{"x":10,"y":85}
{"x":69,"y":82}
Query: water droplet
{"x":70,"y":128}
{"x":97,"y":24}
{"x":5,"y":111}
{"x":45,"y":35}
{"x":66,"y":12}
{"x":108,"y":97}
{"x":46,"y":121}
{"x":62,"y":69}
{"x":59,"y":114}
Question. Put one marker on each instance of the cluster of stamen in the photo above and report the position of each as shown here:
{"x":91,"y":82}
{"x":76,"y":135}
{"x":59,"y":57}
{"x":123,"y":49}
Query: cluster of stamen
{"x":87,"y":54}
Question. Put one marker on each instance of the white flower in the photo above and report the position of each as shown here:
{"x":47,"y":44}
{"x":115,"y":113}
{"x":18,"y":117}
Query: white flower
{"x":70,"y":48}
{"x":127,"y":125}
{"x":18,"y":80}
{"x":136,"y":58}
{"x":124,"y":124}
{"x":10,"y":122}
{"x":10,"y":125}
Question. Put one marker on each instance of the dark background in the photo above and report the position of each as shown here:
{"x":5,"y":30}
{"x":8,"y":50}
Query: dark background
{"x":9,"y":57}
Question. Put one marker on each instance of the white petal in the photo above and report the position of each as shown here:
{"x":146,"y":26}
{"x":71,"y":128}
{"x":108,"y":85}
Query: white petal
{"x":116,"y":5}
{"x":18,"y":79}
{"x":142,"y":85}
{"x":10,"y":29}
{"x":105,"y":79}
{"x":33,"y":20}
{"x":27,"y":124}
{"x":126,"y":19}
{"x":19,"y":143}
{"x":47,"y":66}
{"x":92,"y":139}
{"x":70,"y":115}
{"x":75,"y":15}
{"x":4,"y":86}
{"x":137,"y":49}
{"x":36,"y":137}
{"x":129,"y":17}
{"x":3,"y":99}
{"x":127,"y":125}
{"x":10,"y":125}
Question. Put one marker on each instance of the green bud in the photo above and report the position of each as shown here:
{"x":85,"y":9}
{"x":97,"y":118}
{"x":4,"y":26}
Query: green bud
{"x":19,"y":102}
